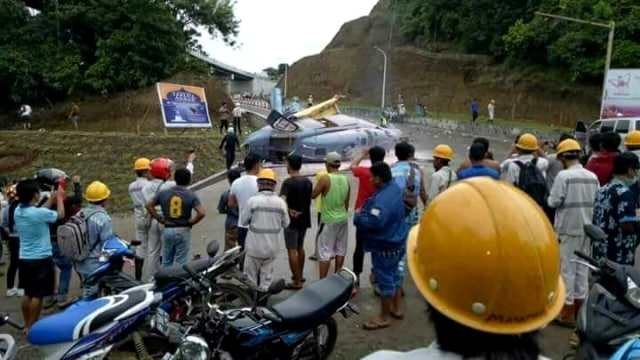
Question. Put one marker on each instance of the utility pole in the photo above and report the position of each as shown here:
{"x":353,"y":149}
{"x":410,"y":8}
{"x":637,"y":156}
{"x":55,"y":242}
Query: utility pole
{"x":607,"y":63}
{"x":286,"y":79}
{"x":384,"y":75}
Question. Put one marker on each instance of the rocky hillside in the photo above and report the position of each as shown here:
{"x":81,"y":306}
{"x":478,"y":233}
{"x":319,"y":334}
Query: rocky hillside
{"x":444,"y":81}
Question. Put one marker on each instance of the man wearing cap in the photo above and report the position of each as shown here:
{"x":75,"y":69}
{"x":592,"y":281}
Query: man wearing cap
{"x":229,"y":142}
{"x":141,"y":167}
{"x":266,"y":215}
{"x":615,"y":212}
{"x":572,"y":195}
{"x":335,"y":191}
{"x":444,"y":176}
{"x":527,"y":150}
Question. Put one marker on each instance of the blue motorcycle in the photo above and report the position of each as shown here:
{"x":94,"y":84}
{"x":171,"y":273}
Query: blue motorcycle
{"x":300,"y":327}
{"x":91,"y":329}
{"x":110,"y":279}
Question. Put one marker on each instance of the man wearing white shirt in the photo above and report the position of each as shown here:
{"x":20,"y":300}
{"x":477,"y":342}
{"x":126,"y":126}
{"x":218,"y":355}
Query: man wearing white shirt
{"x":25,"y":115}
{"x":237,"y":116}
{"x":527,"y":150}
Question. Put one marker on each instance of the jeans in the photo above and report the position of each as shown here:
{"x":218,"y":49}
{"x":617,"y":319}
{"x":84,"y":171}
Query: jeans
{"x":386,"y":269}
{"x":66,"y":268}
{"x":84,"y":269}
{"x":176,"y":246}
{"x":153,"y":251}
{"x":14,"y":250}
{"x":230,"y":157}
{"x":358,"y":254}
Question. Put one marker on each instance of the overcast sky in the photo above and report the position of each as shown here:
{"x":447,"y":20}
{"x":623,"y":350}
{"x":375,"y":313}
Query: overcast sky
{"x":283,"y":31}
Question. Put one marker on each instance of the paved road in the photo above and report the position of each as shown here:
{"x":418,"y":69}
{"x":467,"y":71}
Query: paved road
{"x":353,"y":342}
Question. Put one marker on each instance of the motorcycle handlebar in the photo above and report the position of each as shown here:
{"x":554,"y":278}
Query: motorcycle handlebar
{"x":199,"y":278}
{"x":586,"y":257}
{"x":7,"y":320}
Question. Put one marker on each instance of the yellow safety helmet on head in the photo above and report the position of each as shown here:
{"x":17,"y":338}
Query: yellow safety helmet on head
{"x":632,"y":138}
{"x":97,"y":191}
{"x":567,"y":145}
{"x":494,"y":267}
{"x":142,"y":164}
{"x":443,"y":152}
{"x":267,"y":174}
{"x":527,"y":142}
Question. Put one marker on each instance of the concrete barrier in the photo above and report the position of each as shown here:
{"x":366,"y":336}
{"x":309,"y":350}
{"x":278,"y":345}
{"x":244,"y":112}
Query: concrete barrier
{"x":460,"y":127}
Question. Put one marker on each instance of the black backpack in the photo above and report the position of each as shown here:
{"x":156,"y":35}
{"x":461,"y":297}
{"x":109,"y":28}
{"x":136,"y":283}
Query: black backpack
{"x":533,"y":182}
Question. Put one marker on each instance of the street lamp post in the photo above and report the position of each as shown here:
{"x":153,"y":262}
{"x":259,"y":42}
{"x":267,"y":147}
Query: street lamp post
{"x":384,"y":74}
{"x":607,"y":63}
{"x":286,"y":75}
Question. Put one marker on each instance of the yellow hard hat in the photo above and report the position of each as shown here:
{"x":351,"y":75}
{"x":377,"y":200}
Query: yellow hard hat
{"x":493,"y":101}
{"x":267,"y":174}
{"x":527,"y":142}
{"x":97,"y":191}
{"x":632,"y":138}
{"x":142,"y":164}
{"x":443,"y":152}
{"x":494,"y":267}
{"x":568,"y":145}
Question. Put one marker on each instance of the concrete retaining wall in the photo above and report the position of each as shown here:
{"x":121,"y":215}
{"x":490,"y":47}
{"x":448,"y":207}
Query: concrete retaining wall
{"x":460,"y":127}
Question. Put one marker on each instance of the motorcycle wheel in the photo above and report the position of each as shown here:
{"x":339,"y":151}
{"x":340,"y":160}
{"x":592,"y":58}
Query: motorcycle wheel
{"x":228,"y":296}
{"x":231,"y":296}
{"x":308,"y":347}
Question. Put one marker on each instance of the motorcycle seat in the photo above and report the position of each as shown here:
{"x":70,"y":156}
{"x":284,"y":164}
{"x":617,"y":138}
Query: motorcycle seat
{"x":314,"y":303}
{"x":175,"y":274}
{"x":85,"y":318}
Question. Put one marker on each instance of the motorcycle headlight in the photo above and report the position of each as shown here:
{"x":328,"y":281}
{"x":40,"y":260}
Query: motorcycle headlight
{"x":193,"y":348}
{"x":633,"y":293}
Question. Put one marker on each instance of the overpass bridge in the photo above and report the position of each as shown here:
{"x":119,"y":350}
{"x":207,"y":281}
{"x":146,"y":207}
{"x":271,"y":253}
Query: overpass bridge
{"x":238,"y":81}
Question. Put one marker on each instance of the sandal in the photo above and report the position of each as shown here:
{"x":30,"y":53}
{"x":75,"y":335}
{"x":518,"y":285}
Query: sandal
{"x":303,"y":279}
{"x":397,"y":315}
{"x":564,"y":323}
{"x":374,"y":325}
{"x":291,"y":286}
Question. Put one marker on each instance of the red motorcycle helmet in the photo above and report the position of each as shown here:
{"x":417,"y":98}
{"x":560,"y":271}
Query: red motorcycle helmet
{"x":161,"y":168}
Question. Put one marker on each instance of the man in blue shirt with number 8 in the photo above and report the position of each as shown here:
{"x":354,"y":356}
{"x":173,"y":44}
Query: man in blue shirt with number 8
{"x":177,"y":204}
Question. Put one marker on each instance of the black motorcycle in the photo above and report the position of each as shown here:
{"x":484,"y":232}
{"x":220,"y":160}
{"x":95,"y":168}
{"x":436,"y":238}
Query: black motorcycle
{"x":611,"y":314}
{"x":300,"y":327}
{"x":111,"y":279}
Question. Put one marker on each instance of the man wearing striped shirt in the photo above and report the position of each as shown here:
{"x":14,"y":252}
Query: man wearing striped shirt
{"x":266,"y":215}
{"x":572,"y":195}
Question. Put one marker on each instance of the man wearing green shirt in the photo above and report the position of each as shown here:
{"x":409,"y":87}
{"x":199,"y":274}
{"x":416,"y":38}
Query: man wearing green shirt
{"x":335,"y":191}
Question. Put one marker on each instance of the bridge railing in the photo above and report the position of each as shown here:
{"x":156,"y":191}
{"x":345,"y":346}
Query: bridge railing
{"x":256,"y":103}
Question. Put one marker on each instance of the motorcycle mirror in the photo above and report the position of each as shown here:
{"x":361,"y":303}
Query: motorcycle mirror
{"x":594,"y":232}
{"x":212,"y":248}
{"x":276,"y":287}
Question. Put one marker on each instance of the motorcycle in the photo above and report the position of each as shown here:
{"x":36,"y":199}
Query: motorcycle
{"x":611,"y":314}
{"x":90,"y":330}
{"x":111,"y":279}
{"x":8,"y":346}
{"x":300,"y":327}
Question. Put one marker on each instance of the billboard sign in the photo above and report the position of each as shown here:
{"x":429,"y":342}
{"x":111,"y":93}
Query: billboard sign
{"x":183,"y":106}
{"x":621,"y":96}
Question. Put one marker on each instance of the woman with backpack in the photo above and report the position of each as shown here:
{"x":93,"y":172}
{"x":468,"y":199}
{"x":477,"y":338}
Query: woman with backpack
{"x":11,"y":236}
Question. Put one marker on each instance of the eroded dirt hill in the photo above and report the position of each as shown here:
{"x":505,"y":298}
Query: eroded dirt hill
{"x":444,"y":81}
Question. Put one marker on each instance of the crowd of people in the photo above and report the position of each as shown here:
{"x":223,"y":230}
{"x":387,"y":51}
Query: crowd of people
{"x":468,"y":213}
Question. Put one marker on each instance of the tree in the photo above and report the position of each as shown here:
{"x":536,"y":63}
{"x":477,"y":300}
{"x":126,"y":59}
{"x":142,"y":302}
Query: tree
{"x":507,"y":29}
{"x":275,"y":74}
{"x":101,"y":46}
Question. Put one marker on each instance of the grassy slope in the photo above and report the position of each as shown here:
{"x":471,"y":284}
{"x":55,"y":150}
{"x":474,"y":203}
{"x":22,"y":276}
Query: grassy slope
{"x":107,"y":144}
{"x":108,"y":157}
